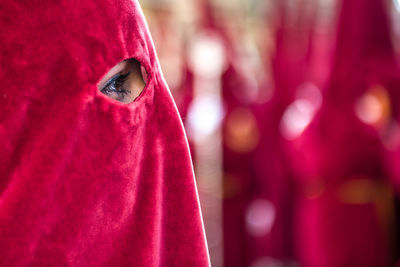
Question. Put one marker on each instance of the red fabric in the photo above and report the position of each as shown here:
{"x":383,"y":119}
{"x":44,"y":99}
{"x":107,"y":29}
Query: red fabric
{"x":86,"y":180}
{"x":339,"y":161}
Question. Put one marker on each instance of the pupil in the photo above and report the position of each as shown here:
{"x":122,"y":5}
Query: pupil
{"x":127,"y":83}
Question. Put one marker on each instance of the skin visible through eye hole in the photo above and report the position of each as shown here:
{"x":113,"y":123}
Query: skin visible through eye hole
{"x":124,"y":82}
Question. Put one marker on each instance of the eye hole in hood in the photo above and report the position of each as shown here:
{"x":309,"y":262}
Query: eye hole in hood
{"x":124,"y":82}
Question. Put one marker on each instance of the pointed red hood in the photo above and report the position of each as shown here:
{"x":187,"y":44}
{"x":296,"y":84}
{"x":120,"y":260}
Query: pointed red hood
{"x":86,"y":180}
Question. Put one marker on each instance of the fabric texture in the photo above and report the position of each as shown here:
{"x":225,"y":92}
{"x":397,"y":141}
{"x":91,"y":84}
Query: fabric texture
{"x":86,"y":180}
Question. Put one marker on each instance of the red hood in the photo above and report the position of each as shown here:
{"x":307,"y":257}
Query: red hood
{"x":86,"y":180}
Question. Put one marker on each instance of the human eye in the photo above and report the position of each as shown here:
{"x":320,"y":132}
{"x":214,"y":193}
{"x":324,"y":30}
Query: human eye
{"x":116,"y":87}
{"x":124,"y":82}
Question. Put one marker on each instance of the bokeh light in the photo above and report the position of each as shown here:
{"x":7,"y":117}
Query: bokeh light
{"x":204,"y":116}
{"x":241,"y":134}
{"x":397,"y":5}
{"x":374,"y":106}
{"x":260,"y":217}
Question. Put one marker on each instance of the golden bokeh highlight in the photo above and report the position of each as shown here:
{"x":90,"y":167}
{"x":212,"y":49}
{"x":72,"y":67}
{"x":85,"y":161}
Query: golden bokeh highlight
{"x":374,"y":107}
{"x":241,"y":132}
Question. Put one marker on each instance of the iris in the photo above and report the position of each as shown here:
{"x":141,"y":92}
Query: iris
{"x":124,"y":82}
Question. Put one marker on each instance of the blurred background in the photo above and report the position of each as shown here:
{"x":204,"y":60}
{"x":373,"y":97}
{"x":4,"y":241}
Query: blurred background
{"x":292,"y":112}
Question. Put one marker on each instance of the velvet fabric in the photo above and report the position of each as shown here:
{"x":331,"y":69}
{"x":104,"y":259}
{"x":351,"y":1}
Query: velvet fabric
{"x":86,"y":180}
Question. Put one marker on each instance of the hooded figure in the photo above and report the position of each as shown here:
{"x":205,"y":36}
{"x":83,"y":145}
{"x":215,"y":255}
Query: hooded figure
{"x":343,"y":213}
{"x":86,"y":180}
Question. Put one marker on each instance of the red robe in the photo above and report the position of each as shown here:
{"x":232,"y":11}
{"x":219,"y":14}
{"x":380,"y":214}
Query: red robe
{"x":86,"y":180}
{"x":339,"y":160}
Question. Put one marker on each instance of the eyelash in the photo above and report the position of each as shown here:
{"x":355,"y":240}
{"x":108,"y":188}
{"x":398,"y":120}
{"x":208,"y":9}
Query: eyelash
{"x":115,"y":83}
